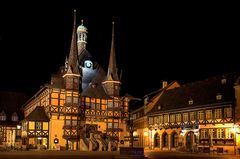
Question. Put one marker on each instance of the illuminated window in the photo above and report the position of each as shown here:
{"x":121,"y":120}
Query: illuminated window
{"x":103,"y":107}
{"x":62,"y":96}
{"x":87,"y":99}
{"x":192,"y":116}
{"x":218,"y":113}
{"x":97,"y":106}
{"x":224,"y":80}
{"x":92,"y":105}
{"x":104,"y":101}
{"x":200,"y":115}
{"x":219,"y":96}
{"x":109,"y":125}
{"x":116,"y":104}
{"x":150,"y":120}
{"x":45,"y":125}
{"x":208,"y":114}
{"x":172,"y":118}
{"x":24,"y":126}
{"x":67,"y":122}
{"x":190,"y":102}
{"x":228,"y":133}
{"x":134,"y":116}
{"x":110,"y":104}
{"x":185,"y":117}
{"x":38,"y":125}
{"x":212,"y":133}
{"x":69,"y":99}
{"x":165,"y":118}
{"x":54,"y":95}
{"x":14,"y":117}
{"x":227,"y":112}
{"x":160,"y":119}
{"x":115,"y":125}
{"x":203,"y":133}
{"x":178,"y":118}
{"x":3,"y":116}
{"x":220,"y":134}
{"x":75,"y":100}
{"x":54,"y":102}
{"x":61,"y":102}
{"x":156,"y":120}
{"x":74,"y":122}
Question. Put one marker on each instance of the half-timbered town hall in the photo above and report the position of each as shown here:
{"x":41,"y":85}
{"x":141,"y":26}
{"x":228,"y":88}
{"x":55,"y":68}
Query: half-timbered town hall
{"x":81,"y":108}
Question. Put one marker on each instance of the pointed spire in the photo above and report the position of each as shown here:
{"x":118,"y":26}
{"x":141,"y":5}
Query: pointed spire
{"x":112,"y":66}
{"x":72,"y":58}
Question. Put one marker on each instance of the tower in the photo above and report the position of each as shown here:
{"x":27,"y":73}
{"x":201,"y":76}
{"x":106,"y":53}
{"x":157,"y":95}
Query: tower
{"x":112,"y":83}
{"x":82,"y":37}
{"x":72,"y":80}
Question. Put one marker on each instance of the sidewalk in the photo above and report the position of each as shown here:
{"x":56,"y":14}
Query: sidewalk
{"x":227,"y":156}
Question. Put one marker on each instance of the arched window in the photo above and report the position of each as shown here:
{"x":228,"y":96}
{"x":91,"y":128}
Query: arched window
{"x":156,"y":140}
{"x":165,"y":139}
{"x":190,"y":139}
{"x":174,"y":139}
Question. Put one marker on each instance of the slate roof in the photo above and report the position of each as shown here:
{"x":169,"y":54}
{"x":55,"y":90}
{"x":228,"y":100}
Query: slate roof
{"x":203,"y":94}
{"x":92,"y":78}
{"x":38,"y":114}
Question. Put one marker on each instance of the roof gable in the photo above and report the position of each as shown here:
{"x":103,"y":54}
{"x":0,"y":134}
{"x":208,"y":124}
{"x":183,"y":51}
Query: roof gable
{"x":38,"y":114}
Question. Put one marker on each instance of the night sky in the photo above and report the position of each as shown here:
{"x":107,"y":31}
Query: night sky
{"x":151,"y":46}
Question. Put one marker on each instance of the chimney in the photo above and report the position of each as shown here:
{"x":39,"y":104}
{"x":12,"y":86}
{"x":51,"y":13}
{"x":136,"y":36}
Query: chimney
{"x":164,"y":84}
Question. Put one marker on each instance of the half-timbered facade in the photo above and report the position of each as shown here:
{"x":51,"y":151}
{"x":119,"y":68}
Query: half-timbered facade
{"x":83,"y":103}
{"x":199,"y":116}
{"x":35,"y":128}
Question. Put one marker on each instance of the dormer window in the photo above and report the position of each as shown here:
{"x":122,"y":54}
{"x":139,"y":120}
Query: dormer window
{"x":190,"y":101}
{"x":3,"y":116}
{"x":223,"y":80}
{"x":88,"y":64}
{"x":218,"y":96}
{"x":14,"y":117}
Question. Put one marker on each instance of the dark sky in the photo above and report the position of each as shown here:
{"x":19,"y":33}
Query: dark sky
{"x":151,"y":45}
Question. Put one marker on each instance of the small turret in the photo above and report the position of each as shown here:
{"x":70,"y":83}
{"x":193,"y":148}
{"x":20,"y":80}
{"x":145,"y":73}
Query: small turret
{"x":82,"y":37}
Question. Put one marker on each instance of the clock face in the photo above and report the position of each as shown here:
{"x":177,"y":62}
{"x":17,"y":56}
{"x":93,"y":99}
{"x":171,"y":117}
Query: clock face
{"x":88,"y":64}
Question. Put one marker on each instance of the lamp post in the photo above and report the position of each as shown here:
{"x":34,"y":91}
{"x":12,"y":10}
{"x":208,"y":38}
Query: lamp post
{"x":131,"y":129}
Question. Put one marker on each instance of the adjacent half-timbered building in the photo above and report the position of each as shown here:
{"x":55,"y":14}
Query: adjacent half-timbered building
{"x":10,"y":117}
{"x":199,"y":116}
{"x":35,"y":129}
{"x":83,"y":102}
